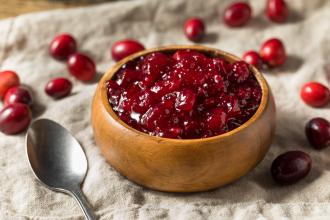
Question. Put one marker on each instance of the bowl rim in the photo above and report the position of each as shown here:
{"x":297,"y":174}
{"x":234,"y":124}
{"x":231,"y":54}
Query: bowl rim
{"x":201,"y":48}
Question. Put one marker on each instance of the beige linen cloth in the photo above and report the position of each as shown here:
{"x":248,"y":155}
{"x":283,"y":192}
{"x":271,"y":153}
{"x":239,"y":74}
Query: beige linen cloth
{"x":23,"y":47}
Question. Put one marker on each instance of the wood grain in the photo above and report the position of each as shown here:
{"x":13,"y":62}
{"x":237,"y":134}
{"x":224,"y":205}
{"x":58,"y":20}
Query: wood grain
{"x":182,"y":165}
{"x":12,"y":8}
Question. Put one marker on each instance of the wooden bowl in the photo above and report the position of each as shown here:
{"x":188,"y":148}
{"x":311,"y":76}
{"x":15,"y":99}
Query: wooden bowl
{"x":177,"y":165}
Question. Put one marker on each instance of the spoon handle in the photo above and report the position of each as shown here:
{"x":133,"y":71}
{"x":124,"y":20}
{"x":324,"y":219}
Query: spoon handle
{"x":83,"y":203}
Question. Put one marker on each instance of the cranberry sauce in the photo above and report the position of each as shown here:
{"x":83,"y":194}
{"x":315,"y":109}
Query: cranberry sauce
{"x":184,"y":95}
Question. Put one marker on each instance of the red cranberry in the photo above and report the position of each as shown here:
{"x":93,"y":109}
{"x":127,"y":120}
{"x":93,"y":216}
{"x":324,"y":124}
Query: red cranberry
{"x":128,"y":76}
{"x":81,"y":66}
{"x":184,"y":95}
{"x":18,"y":94}
{"x":62,"y":46}
{"x":240,"y":72}
{"x":194,"y":29}
{"x":276,"y":10}
{"x":216,"y":119}
{"x":273,"y":52}
{"x":8,"y":79}
{"x":14,"y":118}
{"x":253,"y":58}
{"x":221,"y":65}
{"x":153,"y":66}
{"x":237,"y":14}
{"x":291,"y":167}
{"x":315,"y":94}
{"x":318,"y":133}
{"x":185,"y":100}
{"x":149,"y":117}
{"x":58,"y":88}
{"x":124,"y":48}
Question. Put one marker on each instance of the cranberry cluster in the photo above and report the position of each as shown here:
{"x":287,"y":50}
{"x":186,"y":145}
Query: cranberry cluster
{"x":184,"y":95}
{"x":237,"y":14}
{"x":272,"y":54}
{"x":16,"y":114}
{"x":64,"y":48}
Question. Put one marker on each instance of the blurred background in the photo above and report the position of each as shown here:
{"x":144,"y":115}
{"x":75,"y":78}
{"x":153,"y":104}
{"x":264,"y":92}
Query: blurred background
{"x":12,"y":8}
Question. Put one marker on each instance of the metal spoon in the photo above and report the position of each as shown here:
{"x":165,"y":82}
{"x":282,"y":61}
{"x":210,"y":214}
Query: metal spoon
{"x":58,"y":160}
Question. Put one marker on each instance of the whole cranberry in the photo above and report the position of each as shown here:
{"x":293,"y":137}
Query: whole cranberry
{"x":81,"y":66}
{"x":58,"y":88}
{"x":315,"y":94}
{"x":276,"y":10}
{"x":291,"y":167}
{"x":62,"y":46}
{"x":18,"y":94}
{"x":273,"y":52}
{"x":14,"y":118}
{"x":124,"y":48}
{"x":237,"y":14}
{"x":194,"y":29}
{"x":8,"y":79}
{"x":253,"y":58}
{"x":318,"y":133}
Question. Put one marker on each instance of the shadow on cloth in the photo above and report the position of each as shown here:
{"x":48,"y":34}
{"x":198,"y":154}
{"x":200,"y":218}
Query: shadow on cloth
{"x":292,"y":64}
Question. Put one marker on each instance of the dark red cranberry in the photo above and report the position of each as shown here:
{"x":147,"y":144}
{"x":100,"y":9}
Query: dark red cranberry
{"x":62,"y":46}
{"x":315,"y":94}
{"x":240,"y":72}
{"x":128,"y":76}
{"x":216,"y":119}
{"x":14,"y":118}
{"x":124,"y":48}
{"x":81,"y":66}
{"x":8,"y":79}
{"x":185,"y":100}
{"x":194,"y":29}
{"x":253,"y":58}
{"x":318,"y":133}
{"x":291,"y":167}
{"x":221,"y":65}
{"x":276,"y":10}
{"x":273,"y":52}
{"x":58,"y":88}
{"x":164,"y":87}
{"x":153,"y":66}
{"x":18,"y":94}
{"x":184,"y":95}
{"x":149,"y":117}
{"x":237,"y":14}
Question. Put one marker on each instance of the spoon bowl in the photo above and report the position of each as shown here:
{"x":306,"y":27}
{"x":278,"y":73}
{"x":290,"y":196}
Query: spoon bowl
{"x":57,"y":159}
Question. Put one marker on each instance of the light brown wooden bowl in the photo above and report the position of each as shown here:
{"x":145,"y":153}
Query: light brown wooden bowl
{"x":177,"y":165}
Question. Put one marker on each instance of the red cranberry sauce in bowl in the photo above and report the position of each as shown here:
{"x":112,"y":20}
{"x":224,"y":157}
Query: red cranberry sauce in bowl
{"x":184,"y":95}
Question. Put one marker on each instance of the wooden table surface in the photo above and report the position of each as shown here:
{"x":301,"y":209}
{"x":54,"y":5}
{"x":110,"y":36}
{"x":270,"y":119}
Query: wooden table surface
{"x":12,"y":8}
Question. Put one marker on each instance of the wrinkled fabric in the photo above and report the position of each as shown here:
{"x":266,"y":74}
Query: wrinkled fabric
{"x":24,"y":42}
